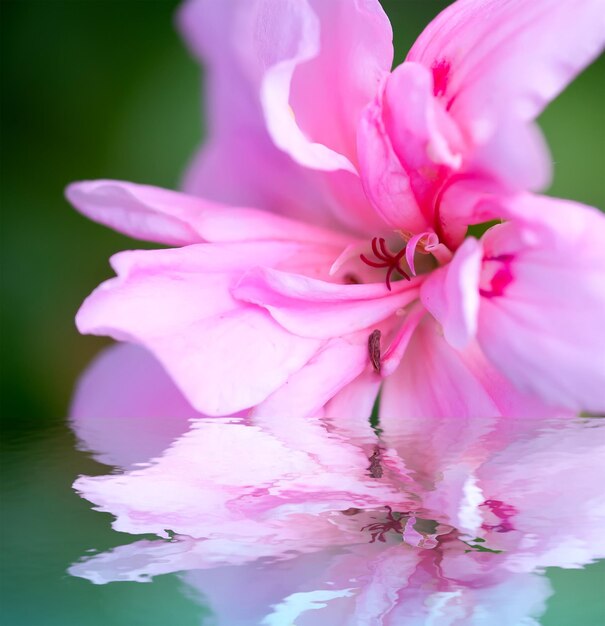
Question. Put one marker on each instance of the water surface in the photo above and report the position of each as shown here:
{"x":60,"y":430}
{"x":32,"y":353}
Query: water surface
{"x":48,"y":528}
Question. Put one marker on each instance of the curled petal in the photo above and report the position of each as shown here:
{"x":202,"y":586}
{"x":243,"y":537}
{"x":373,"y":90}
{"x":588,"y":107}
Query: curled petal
{"x":223,"y":354}
{"x":313,"y":308}
{"x":451,"y":294}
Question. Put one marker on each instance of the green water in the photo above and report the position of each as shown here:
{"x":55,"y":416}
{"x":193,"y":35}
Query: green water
{"x":46,"y":527}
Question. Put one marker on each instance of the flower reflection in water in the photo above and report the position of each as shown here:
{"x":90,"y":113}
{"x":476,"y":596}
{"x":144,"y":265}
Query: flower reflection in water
{"x":322,"y":522}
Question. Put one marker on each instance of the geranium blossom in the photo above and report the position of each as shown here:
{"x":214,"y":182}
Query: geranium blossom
{"x":451,"y":520}
{"x":383,"y":171}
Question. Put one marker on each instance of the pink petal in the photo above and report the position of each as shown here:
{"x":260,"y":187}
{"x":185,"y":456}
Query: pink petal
{"x":400,"y":340}
{"x":237,"y":162}
{"x":274,"y":590}
{"x":330,"y":91}
{"x":282,"y":35}
{"x":385,"y":181}
{"x":126,"y":409}
{"x":187,"y":490}
{"x":451,"y":294}
{"x":354,"y":404}
{"x":408,"y":145}
{"x":223,"y":354}
{"x":327,"y":373}
{"x":498,"y":63}
{"x":284,"y":51}
{"x":516,"y":154}
{"x":423,"y":135}
{"x":510,"y":600}
{"x":435,"y":379}
{"x":389,"y":573}
{"x":313,"y":308}
{"x":173,"y":218}
{"x":287,"y":51}
{"x":140,"y":211}
{"x":543,"y":328}
{"x":410,"y":248}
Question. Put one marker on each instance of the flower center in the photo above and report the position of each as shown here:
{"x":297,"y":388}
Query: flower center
{"x":420,"y":254}
{"x":384,"y":258}
{"x":394,"y":521}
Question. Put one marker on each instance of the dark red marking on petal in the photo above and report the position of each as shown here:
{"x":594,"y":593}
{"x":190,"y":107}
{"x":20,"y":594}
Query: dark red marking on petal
{"x":441,"y":75}
{"x":496,"y":275}
{"x":503,"y":512}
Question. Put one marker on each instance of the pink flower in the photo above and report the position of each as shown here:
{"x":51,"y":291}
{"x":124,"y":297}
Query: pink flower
{"x":435,"y":518}
{"x":270,"y":315}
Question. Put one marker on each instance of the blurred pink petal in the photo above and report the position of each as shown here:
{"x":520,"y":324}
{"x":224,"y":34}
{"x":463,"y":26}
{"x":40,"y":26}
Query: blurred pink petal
{"x":173,"y":218}
{"x":251,"y":64}
{"x":201,"y":488}
{"x":126,"y":409}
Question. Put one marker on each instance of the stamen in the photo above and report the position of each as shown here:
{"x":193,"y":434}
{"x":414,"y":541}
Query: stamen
{"x":374,"y":349}
{"x":386,"y":259}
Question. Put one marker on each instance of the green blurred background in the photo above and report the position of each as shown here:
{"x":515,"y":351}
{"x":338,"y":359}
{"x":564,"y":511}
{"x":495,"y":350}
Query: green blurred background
{"x":105,"y":89}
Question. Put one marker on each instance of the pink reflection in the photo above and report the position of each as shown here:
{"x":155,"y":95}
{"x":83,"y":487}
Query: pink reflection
{"x":295,"y":522}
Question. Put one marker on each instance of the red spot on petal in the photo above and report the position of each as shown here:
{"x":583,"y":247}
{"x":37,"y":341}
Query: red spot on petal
{"x":496,"y":276}
{"x":503,"y":513}
{"x":441,"y":74}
